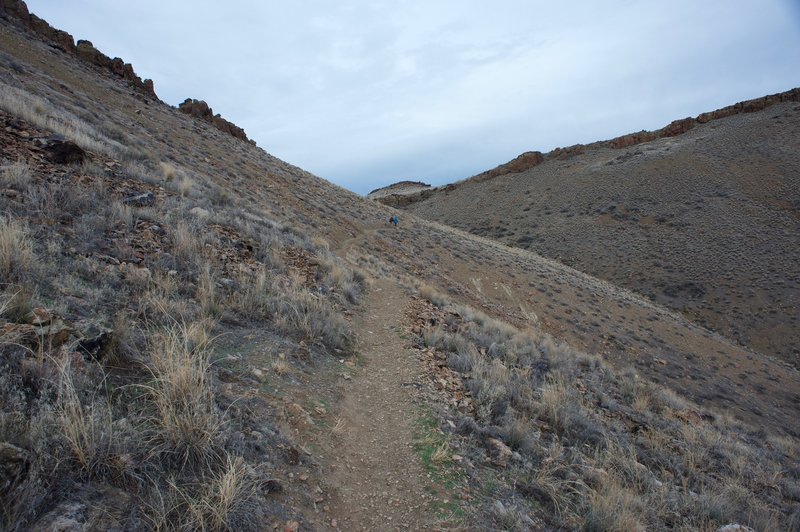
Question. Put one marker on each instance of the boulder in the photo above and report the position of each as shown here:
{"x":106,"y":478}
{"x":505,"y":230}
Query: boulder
{"x":196,"y":108}
{"x":53,"y":335}
{"x":95,"y":342}
{"x":63,"y":151}
{"x":500,"y":452}
{"x":200,"y":110}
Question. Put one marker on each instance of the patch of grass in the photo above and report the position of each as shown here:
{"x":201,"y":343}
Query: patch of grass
{"x":16,"y":175}
{"x":433,"y":447}
{"x":187,"y":423}
{"x":16,"y":251}
{"x":42,"y":113}
{"x":88,"y":430}
{"x":428,"y":292}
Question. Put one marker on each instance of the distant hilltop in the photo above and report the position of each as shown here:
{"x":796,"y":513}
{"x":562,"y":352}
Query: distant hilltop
{"x":17,"y":10}
{"x":530,"y":159}
{"x":397,"y":193}
{"x":403,"y":193}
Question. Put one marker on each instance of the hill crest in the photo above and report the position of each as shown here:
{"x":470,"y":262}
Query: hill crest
{"x":531,"y":159}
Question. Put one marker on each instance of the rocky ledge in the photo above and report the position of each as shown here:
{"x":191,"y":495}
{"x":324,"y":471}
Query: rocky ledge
{"x":17,"y":10}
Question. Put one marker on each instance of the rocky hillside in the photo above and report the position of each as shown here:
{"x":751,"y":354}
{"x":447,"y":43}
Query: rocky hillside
{"x":195,"y":335}
{"x":702,"y":216}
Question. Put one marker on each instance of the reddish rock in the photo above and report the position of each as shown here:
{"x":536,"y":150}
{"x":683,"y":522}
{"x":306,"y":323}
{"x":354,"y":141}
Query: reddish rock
{"x":196,"y":108}
{"x":565,"y":153}
{"x":200,"y":110}
{"x":632,"y":139}
{"x":523,"y":162}
{"x":677,"y":127}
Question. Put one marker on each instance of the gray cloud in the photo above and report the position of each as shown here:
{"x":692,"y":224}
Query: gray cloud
{"x":366,"y":93}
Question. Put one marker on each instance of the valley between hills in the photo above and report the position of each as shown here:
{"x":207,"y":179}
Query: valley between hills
{"x":196,"y":335}
{"x":703,"y":219}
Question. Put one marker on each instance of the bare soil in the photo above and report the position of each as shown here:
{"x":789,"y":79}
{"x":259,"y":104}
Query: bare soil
{"x":376,"y":476}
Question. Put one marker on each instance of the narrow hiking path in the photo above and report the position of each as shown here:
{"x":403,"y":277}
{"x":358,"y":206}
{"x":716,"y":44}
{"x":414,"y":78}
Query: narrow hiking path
{"x":377,"y":480}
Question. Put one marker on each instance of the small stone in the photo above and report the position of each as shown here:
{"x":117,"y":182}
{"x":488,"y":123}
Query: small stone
{"x":501,"y":454}
{"x":39,"y":316}
{"x":334,"y":523}
{"x":141,"y":200}
{"x":291,"y":526}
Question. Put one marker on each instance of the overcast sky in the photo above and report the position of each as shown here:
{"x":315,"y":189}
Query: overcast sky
{"x":366,"y":93}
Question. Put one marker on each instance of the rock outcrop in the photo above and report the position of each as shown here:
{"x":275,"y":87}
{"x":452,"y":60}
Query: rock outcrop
{"x":678,"y":127}
{"x":523,"y":162}
{"x":84,"y":50}
{"x":200,"y":110}
{"x":17,"y":10}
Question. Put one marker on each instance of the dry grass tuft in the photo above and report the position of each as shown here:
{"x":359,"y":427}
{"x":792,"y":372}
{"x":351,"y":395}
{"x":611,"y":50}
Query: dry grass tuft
{"x":184,"y":185}
{"x":185,"y":244}
{"x":280,"y":366}
{"x":186,"y":419}
{"x":16,"y":175}
{"x":207,"y":293}
{"x":17,"y":302}
{"x":222,"y":503}
{"x":168,"y":171}
{"x":16,"y":251}
{"x":613,"y":508}
{"x":88,"y":430}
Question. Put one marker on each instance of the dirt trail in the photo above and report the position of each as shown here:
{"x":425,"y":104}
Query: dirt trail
{"x":378,"y":481}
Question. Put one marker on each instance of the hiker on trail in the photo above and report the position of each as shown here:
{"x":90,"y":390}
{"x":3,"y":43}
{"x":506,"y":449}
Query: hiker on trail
{"x":395,"y":220}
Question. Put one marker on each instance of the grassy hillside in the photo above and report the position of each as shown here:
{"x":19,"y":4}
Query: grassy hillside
{"x":705,"y":222}
{"x":188,"y":326}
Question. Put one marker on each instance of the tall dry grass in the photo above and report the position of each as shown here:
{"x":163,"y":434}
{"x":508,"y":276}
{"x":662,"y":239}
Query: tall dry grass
{"x":16,"y":251}
{"x":88,"y":429}
{"x":186,"y":419}
{"x":46,"y":115}
{"x":16,"y":175}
